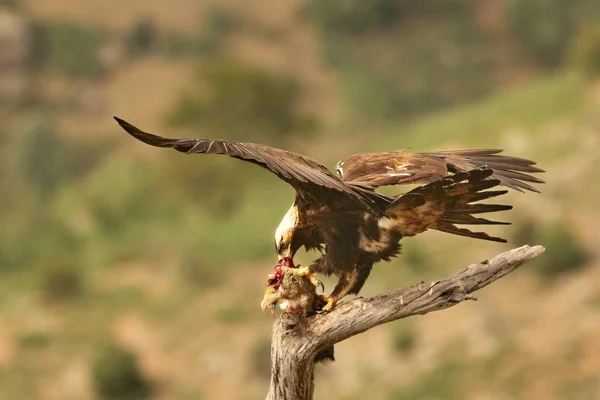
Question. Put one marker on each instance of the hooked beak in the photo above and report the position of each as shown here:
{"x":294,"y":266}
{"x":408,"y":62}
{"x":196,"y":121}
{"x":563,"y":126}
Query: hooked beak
{"x":287,"y":253}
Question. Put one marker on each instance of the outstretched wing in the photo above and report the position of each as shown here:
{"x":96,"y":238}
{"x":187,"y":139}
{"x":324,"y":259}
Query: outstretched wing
{"x":401,"y":167}
{"x":311,"y":180}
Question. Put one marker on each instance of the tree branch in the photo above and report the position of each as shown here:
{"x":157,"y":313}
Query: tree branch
{"x":296,"y":341}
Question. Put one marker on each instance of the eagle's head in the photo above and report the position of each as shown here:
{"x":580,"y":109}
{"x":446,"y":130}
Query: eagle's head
{"x":287,"y":242}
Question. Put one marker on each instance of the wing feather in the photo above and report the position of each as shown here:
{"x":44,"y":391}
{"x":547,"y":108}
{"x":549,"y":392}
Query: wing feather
{"x":307,"y":176}
{"x":402,"y":167}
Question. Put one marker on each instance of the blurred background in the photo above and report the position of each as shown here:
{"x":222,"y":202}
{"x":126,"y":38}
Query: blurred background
{"x":127,"y":272}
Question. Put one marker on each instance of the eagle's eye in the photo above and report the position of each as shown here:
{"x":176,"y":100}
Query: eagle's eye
{"x":282,"y":245}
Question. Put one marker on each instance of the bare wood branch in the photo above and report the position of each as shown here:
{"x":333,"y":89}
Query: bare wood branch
{"x":296,"y":341}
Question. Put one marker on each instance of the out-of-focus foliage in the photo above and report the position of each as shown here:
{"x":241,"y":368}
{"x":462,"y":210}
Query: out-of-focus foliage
{"x":10,"y":3}
{"x":221,"y":21}
{"x":116,"y":375}
{"x":35,"y":340}
{"x":403,"y":58}
{"x":526,"y":232}
{"x":355,"y":17}
{"x":404,"y":339}
{"x":218,"y":24}
{"x":564,"y":252}
{"x":67,"y":47}
{"x":142,"y":37}
{"x":408,"y":61}
{"x":585,"y":52}
{"x":44,"y":158}
{"x":443,"y":382}
{"x":543,"y":27}
{"x":415,"y":258}
{"x":61,"y":282}
{"x":238,"y":101}
{"x":196,"y":272}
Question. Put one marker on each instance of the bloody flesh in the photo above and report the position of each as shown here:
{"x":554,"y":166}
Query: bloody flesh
{"x":276,"y":278}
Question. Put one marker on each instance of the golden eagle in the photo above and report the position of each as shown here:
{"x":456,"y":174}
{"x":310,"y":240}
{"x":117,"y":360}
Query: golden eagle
{"x":349,"y":222}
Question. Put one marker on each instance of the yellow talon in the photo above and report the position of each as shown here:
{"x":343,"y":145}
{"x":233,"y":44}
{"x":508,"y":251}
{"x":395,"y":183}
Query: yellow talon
{"x":330,"y":303}
{"x":300,"y":271}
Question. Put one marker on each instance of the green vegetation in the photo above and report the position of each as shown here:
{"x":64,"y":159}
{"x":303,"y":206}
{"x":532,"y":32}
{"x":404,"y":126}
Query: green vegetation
{"x":413,"y":57}
{"x":61,"y":283}
{"x":142,"y":38}
{"x":209,"y":41}
{"x":43,"y":159}
{"x":526,"y":232}
{"x":564,"y":252}
{"x":443,"y":382}
{"x":35,"y":340}
{"x":405,"y":339}
{"x":582,"y":388}
{"x":543,"y":28}
{"x":527,"y":107}
{"x":415,"y":258}
{"x":221,"y":21}
{"x":265,"y":106}
{"x":67,"y":47}
{"x":235,"y":314}
{"x":197,"y":273}
{"x":354,"y":17}
{"x":116,"y":375}
{"x":585,"y":52}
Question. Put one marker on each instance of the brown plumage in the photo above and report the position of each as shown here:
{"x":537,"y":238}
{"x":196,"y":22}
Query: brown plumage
{"x":400,"y":167}
{"x":353,"y":225}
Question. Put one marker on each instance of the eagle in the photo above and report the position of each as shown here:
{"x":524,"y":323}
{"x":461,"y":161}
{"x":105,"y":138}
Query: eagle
{"x":352,"y":225}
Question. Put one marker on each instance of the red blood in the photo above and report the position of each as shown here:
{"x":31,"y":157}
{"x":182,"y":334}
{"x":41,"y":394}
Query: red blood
{"x":276,"y":278}
{"x":286,"y":262}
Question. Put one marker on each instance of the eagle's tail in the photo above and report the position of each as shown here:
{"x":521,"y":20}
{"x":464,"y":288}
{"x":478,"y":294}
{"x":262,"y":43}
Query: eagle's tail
{"x":445,"y":203}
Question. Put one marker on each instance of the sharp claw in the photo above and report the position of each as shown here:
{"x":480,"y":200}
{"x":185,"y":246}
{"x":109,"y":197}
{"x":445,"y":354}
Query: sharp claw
{"x":320,"y":284}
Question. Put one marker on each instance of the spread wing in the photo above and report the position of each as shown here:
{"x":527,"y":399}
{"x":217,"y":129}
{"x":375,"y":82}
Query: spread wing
{"x":312,"y":181}
{"x":401,"y":167}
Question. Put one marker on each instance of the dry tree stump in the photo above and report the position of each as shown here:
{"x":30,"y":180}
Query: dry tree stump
{"x":296,"y":341}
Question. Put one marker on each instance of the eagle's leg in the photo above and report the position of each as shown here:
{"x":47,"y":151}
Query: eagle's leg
{"x":343,"y":287}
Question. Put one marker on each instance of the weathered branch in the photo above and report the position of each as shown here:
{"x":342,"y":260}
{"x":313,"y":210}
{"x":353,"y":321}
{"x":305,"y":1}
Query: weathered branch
{"x":297,"y":341}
